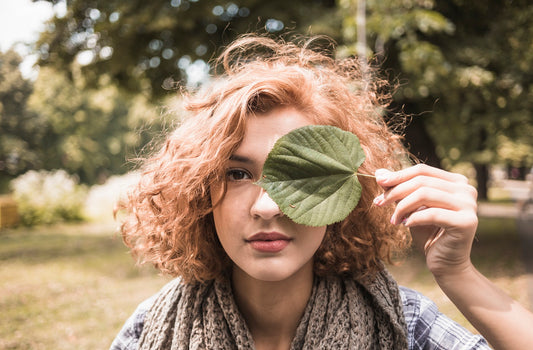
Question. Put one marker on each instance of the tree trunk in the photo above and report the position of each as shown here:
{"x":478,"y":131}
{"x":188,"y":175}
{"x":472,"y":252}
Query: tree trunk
{"x":482,"y":170}
{"x":420,"y":143}
{"x":482,"y":178}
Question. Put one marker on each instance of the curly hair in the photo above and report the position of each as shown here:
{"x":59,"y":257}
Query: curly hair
{"x":169,"y":220}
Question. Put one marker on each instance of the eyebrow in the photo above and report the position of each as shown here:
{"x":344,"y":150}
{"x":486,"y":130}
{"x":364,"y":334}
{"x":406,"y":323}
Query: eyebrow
{"x":241,"y":159}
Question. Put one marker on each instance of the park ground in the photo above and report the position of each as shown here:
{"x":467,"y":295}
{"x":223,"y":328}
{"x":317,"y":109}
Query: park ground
{"x":73,"y":286}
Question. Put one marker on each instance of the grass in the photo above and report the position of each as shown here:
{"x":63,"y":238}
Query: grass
{"x":67,"y":287}
{"x":72,"y":287}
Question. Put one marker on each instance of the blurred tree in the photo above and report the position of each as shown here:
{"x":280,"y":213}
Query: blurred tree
{"x":398,"y":40}
{"x":20,"y":130}
{"x":149,"y":45}
{"x":90,"y":132}
{"x":463,"y":68}
{"x":467,"y":62}
{"x":491,"y":96}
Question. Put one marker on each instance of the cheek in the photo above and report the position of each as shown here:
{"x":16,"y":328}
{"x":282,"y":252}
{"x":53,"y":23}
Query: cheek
{"x":315,"y":236}
{"x":217,"y":201}
{"x":228,"y":214}
{"x":216,"y":192}
{"x":221,"y":220}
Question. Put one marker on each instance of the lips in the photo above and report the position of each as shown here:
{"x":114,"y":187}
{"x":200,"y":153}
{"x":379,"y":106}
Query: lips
{"x":268,"y":242}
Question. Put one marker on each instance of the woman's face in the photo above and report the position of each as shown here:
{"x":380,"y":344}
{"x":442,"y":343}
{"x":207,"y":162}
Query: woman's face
{"x":262,"y":242}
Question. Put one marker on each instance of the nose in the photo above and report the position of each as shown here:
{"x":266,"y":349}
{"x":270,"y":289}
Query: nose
{"x":264,"y":207}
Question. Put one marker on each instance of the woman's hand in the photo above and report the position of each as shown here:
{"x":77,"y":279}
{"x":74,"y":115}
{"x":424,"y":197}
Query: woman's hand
{"x":440,"y":209}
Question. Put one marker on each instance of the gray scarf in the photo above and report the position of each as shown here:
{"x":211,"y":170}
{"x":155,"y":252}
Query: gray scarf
{"x":341,"y":314}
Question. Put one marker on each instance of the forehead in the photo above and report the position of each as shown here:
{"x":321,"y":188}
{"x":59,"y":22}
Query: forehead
{"x":263,"y":130}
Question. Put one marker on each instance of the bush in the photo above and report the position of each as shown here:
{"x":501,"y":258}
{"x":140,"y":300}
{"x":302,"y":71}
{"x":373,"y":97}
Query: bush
{"x":47,"y":197}
{"x":102,"y":199}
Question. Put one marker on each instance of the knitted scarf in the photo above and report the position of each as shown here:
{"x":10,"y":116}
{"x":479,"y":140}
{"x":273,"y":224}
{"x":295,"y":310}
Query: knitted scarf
{"x":341,"y":314}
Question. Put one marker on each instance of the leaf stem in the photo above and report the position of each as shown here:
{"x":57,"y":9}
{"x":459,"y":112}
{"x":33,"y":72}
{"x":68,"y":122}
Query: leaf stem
{"x":367,"y":175}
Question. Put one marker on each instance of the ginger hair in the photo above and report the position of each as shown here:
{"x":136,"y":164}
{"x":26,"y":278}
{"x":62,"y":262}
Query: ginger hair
{"x":169,"y":220}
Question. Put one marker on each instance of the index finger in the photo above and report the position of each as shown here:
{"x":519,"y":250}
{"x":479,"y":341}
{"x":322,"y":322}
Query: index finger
{"x":386,"y":178}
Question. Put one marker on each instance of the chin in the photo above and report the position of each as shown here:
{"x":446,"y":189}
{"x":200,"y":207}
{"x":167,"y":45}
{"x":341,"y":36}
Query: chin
{"x":267,"y":274}
{"x":277,"y":272}
{"x":271,"y":277}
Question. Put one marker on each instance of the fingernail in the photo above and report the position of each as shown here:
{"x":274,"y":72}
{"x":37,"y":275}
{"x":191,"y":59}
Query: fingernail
{"x":393,"y":220}
{"x":382,"y":174}
{"x":379,"y":200}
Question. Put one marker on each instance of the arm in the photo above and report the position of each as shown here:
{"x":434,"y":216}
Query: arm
{"x":441,"y":211}
{"x":501,"y":320}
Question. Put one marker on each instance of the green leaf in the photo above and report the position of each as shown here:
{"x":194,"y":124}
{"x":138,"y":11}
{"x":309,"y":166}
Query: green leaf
{"x":311,"y":174}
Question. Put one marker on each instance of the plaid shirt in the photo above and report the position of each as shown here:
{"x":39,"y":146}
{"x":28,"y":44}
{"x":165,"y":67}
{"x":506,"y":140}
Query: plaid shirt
{"x":427,"y":328}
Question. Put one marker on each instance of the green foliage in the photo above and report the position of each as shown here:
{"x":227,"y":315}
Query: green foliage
{"x":491,"y":86}
{"x":466,"y":63}
{"x":516,"y":152}
{"x":47,"y":197}
{"x":57,"y":122}
{"x":90,"y":132}
{"x":20,"y":130}
{"x":148,"y":45}
{"x":311,"y":173}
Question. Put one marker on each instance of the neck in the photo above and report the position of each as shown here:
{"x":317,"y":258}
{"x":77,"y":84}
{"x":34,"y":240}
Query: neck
{"x":272,"y":310}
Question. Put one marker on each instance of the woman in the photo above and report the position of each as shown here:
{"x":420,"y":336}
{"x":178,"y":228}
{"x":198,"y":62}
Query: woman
{"x":249,"y":277}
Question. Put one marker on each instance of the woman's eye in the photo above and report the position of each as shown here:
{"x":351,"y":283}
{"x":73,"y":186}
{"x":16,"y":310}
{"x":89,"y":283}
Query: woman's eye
{"x":237,"y":175}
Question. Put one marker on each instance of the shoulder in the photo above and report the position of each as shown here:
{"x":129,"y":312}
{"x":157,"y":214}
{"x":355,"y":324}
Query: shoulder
{"x":128,"y":337}
{"x":427,"y":328}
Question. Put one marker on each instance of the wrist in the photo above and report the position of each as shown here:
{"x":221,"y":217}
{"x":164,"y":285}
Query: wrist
{"x":455,"y":275}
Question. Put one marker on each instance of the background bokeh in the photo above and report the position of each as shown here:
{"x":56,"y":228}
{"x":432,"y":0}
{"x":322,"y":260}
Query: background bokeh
{"x":86,"y":87}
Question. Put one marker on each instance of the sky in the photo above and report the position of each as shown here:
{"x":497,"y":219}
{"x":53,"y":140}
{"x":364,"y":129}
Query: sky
{"x":20,"y":22}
